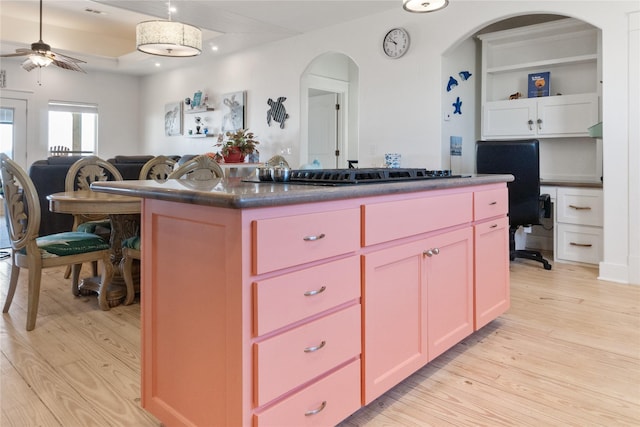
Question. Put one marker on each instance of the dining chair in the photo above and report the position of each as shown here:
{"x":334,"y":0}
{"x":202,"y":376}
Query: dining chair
{"x":200,"y":168}
{"x":79,"y":177}
{"x":29,"y":251}
{"x":158,"y":169}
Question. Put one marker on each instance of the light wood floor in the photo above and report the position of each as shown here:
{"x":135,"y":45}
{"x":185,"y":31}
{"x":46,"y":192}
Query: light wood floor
{"x":566,"y":354}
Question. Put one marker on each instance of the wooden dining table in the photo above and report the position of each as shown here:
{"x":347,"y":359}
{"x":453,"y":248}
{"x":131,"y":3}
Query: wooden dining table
{"x":124,"y":212}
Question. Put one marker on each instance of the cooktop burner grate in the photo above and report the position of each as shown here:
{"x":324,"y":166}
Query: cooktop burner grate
{"x":367,"y":175}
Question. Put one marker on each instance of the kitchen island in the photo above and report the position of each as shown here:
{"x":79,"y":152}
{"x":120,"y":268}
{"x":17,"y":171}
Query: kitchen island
{"x":286,"y":304}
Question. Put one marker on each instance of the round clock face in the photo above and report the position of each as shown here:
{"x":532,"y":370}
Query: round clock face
{"x":396,"y":43}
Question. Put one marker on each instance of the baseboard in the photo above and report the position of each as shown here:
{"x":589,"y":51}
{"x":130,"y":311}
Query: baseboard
{"x":618,"y":273}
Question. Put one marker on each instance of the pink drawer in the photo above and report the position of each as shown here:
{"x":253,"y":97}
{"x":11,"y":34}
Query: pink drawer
{"x":394,"y":220}
{"x":324,"y":403}
{"x":289,"y":360}
{"x":490,"y":203}
{"x":293,"y":240}
{"x":291,"y":297}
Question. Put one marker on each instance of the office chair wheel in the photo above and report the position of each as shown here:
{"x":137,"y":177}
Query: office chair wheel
{"x":547,"y":266}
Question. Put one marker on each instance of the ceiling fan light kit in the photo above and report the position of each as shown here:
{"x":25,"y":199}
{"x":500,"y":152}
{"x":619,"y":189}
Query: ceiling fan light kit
{"x":423,"y":6}
{"x":40,"y":55}
{"x":168,"y":38}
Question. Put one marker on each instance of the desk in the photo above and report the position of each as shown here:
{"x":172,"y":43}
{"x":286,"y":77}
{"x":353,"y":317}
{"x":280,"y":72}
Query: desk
{"x":124,"y":212}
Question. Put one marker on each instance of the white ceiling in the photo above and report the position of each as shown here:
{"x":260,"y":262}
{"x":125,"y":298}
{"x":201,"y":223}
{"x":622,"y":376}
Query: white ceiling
{"x":107,"y":40}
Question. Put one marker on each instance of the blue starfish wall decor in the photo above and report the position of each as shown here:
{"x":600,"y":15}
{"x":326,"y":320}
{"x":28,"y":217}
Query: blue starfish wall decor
{"x":457,"y":106}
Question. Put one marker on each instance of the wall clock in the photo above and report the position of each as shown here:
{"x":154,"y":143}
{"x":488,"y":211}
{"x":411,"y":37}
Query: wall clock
{"x":396,"y":43}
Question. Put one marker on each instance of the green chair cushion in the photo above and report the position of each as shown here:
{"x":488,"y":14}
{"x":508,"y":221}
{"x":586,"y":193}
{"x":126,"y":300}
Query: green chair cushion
{"x":92,"y":226}
{"x":69,"y":243}
{"x":132,"y":243}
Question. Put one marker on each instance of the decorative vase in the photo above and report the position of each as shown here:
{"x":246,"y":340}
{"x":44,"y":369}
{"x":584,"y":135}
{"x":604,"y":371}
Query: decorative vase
{"x":234,"y":156}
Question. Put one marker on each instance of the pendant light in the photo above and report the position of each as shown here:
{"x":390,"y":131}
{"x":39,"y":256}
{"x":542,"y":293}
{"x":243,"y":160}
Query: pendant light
{"x":168,"y":38}
{"x":422,"y":6}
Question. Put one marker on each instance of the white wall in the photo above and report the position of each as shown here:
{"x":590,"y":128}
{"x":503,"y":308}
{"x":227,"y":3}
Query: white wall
{"x":117,"y":97}
{"x":400,"y":101}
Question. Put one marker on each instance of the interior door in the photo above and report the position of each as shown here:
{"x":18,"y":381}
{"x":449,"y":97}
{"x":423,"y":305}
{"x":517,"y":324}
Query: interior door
{"x":13,"y":129}
{"x":323,"y":130}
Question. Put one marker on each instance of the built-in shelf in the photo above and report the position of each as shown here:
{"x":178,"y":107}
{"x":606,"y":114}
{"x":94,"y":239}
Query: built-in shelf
{"x":198,"y":110}
{"x":581,"y":59}
{"x":200,"y":135}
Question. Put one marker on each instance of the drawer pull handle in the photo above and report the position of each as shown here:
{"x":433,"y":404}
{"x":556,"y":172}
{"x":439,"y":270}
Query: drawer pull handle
{"x":493,"y":203}
{"x":580,"y":208}
{"x":313,"y":238}
{"x":582,"y":245}
{"x":539,"y":121}
{"x":315,"y":292}
{"x":530,"y":123}
{"x":494,"y":226}
{"x":315,"y":411}
{"x":315,"y":347}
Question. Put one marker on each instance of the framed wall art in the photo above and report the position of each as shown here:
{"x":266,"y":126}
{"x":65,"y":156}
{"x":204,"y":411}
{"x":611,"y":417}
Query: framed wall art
{"x":173,"y":119}
{"x":233,"y":111}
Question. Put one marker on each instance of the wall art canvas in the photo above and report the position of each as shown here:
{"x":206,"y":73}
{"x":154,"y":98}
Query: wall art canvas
{"x":233,"y":105}
{"x":173,"y":119}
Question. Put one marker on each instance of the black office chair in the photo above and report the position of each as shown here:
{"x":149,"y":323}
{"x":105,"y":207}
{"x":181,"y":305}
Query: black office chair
{"x":526,"y":205}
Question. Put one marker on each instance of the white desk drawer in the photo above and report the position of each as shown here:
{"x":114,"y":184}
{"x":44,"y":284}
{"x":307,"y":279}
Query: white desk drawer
{"x":582,"y":206}
{"x":579,"y":243}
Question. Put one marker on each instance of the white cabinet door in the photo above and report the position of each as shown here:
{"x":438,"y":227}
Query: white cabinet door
{"x":550,"y":116}
{"x":567,"y":115}
{"x":506,"y":119}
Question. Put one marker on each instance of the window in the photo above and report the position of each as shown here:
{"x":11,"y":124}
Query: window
{"x":6,"y":131}
{"x":73,"y":128}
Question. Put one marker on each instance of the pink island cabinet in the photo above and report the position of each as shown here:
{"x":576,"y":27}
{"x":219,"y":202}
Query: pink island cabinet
{"x":298,"y":315}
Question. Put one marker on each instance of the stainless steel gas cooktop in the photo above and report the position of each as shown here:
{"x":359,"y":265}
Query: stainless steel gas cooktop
{"x":365,"y":175}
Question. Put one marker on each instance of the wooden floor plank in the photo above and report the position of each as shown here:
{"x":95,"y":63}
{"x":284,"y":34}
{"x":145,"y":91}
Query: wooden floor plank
{"x":567,"y":353}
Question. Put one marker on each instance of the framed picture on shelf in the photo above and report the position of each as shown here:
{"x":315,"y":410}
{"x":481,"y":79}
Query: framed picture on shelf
{"x":539,"y":84}
{"x":233,"y":111}
{"x":197,"y":99}
{"x":173,"y":119}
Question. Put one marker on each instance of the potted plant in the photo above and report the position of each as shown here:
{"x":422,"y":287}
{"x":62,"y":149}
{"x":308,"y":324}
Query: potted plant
{"x":236,"y":145}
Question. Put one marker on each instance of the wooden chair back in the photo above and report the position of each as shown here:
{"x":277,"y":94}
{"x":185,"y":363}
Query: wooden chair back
{"x":200,"y":168}
{"x":159,"y":168}
{"x":60,"y":150}
{"x":87,"y":170}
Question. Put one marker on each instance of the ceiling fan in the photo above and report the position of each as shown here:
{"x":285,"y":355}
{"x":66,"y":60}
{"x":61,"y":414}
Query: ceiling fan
{"x":40,"y":55}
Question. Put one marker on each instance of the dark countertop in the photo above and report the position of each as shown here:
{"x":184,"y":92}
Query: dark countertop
{"x":237,"y":194}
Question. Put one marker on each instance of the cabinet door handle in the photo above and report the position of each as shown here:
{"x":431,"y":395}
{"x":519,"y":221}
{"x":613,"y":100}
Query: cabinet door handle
{"x":315,"y":292}
{"x":315,"y":411}
{"x":580,"y":208}
{"x":539,"y":121}
{"x":493,"y":226}
{"x":582,"y":245}
{"x":431,"y":252}
{"x":493,"y":203}
{"x":530,"y":122}
{"x":313,"y":238}
{"x":315,"y":347}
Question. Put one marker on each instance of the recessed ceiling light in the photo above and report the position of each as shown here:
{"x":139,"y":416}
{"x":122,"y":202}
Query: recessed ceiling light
{"x":214,"y":48}
{"x":157,"y":64}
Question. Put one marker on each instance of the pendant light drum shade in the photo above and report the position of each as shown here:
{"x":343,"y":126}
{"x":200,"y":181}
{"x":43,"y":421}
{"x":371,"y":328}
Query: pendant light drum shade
{"x":168,"y":38}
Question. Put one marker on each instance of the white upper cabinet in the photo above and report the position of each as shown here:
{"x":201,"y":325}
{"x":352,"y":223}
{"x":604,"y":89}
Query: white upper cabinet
{"x":568,"y":50}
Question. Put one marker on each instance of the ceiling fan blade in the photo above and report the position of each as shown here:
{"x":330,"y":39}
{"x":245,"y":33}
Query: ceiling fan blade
{"x":9,"y":55}
{"x":66,"y":58}
{"x":68,"y":65}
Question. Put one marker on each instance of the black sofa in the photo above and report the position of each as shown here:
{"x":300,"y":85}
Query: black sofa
{"x":48,"y":177}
